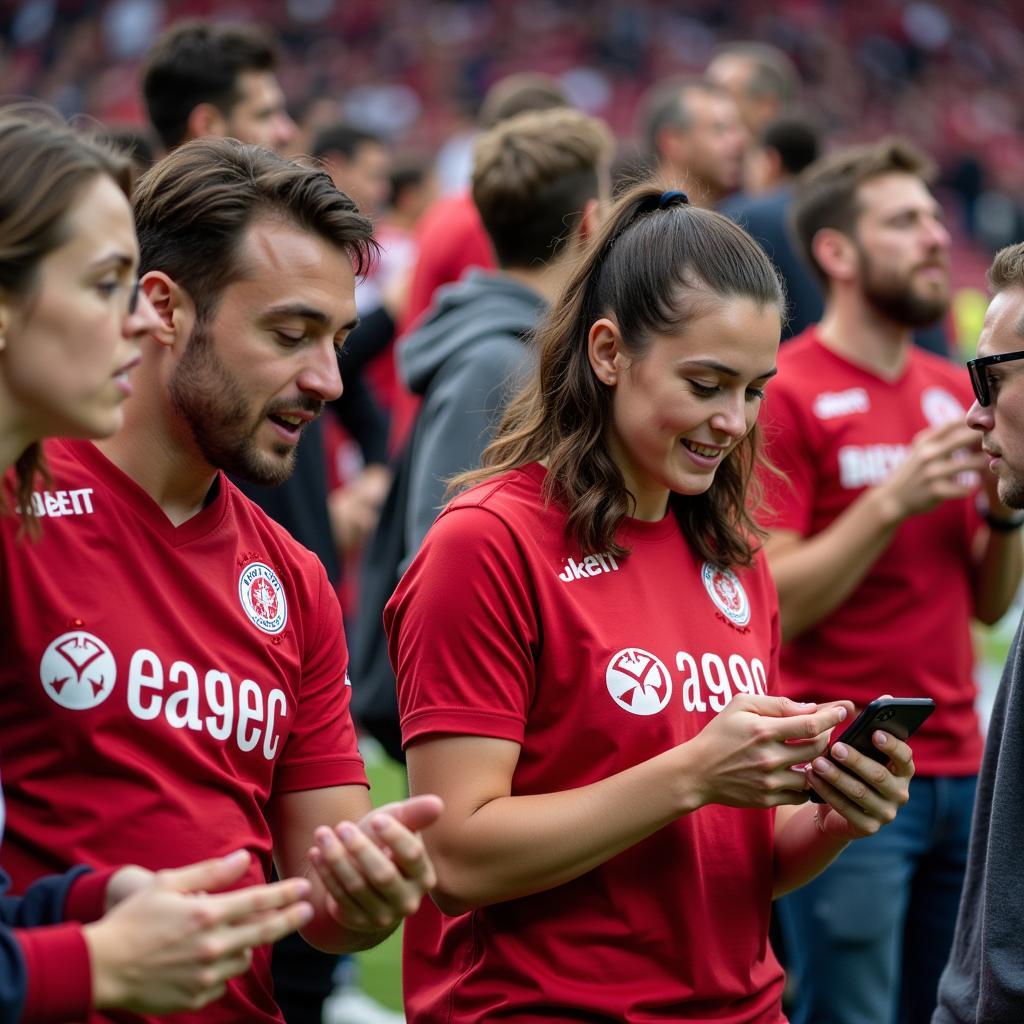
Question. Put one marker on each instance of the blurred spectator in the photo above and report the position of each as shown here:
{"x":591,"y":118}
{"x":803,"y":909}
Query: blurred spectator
{"x":538,"y":180}
{"x":760,"y":78}
{"x":783,"y":149}
{"x":450,"y":237}
{"x":204,"y":79}
{"x":693,"y":133}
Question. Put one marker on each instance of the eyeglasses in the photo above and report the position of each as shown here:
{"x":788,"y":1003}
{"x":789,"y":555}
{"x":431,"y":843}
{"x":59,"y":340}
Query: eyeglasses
{"x":133,"y":297}
{"x":979,"y":378}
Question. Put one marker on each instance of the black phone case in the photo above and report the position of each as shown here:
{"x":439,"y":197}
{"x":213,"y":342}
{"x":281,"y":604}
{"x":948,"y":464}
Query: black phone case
{"x":900,"y":716}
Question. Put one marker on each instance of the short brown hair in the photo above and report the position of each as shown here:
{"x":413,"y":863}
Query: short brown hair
{"x":44,"y":166}
{"x":667,"y":105}
{"x":192,"y":210}
{"x":518,"y":93}
{"x":652,"y":267}
{"x":1007,"y":270}
{"x":532,"y":176}
{"x":825,"y":195}
{"x":199,"y":62}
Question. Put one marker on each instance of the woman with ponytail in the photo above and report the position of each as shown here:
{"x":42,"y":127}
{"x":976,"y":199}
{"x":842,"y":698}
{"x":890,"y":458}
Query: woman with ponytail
{"x":586,"y":650}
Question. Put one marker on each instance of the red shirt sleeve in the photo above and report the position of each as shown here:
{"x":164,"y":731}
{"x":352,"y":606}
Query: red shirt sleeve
{"x":321,"y":748}
{"x":462,"y":631}
{"x":87,"y":897}
{"x":789,"y":492}
{"x":58,"y":973}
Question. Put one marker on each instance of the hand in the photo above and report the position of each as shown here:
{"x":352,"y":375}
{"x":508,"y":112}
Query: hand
{"x":748,"y":752}
{"x":377,"y":871}
{"x":938,"y":467}
{"x":355,"y":508}
{"x":168,"y":946}
{"x":862,"y":802}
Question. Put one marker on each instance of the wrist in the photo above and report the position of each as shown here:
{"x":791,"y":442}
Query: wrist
{"x":999,"y":522}
{"x":106,"y":991}
{"x":685,"y":778}
{"x":888,"y":509}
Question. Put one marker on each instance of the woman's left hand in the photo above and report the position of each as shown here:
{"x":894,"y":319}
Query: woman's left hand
{"x":862,"y":795}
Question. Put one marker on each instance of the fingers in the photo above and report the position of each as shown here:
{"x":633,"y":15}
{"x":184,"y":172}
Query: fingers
{"x":373,"y":887}
{"x":268,"y":928}
{"x":208,"y":875}
{"x":810,"y":726}
{"x":865,"y":792}
{"x":416,"y":813}
{"x":238,"y":906}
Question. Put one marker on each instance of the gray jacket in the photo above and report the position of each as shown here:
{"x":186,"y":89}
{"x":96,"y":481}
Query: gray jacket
{"x":466,"y":359}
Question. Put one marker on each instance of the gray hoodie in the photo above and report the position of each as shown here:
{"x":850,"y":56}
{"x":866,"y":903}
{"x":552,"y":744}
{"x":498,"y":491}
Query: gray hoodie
{"x":466,"y":359}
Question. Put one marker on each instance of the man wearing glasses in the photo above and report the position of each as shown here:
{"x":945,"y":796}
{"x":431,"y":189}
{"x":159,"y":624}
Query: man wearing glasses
{"x":883,"y":546}
{"x":984,"y":980}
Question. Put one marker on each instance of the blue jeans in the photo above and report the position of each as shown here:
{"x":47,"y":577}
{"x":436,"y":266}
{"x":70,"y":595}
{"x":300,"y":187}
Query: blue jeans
{"x":866,"y":941}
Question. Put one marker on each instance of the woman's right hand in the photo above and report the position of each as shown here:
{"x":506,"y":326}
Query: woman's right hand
{"x":174,"y":942}
{"x":747,"y":753}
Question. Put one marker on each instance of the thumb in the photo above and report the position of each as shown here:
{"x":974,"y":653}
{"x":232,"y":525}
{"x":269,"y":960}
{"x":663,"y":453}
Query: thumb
{"x":208,"y":875}
{"x":416,"y":813}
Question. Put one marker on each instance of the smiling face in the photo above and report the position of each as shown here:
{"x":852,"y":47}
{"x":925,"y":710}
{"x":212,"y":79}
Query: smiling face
{"x":1001,"y":422}
{"x":903,"y":249}
{"x":69,"y":342}
{"x":688,"y":400}
{"x":251,"y":379}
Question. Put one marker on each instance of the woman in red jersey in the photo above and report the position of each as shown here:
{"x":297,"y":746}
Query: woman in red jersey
{"x":586,"y":649}
{"x":71,"y":318}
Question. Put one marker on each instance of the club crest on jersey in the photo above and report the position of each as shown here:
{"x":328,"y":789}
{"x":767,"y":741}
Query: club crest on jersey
{"x":727,"y":593}
{"x":262,"y":597}
{"x":78,"y":671}
{"x":638,"y":681}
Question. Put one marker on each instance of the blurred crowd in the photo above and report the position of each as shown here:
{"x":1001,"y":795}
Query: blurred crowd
{"x":944,"y":75}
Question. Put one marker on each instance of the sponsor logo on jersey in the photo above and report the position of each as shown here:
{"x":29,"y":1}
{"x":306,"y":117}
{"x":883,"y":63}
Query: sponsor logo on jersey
{"x":62,"y":503}
{"x":940,"y":407}
{"x":870,"y":464}
{"x":638,"y":681}
{"x":588,"y":565}
{"x":78,"y":671}
{"x":727,"y":593}
{"x":830,"y":404}
{"x":262,"y":597}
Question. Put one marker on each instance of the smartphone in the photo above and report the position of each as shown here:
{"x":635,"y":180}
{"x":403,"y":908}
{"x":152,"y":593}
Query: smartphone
{"x":900,"y":716}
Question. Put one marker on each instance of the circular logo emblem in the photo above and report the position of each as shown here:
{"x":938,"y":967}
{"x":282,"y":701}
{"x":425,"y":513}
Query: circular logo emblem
{"x":638,"y":681}
{"x":939,"y":407}
{"x":727,"y":593}
{"x":78,"y":671}
{"x":262,"y":597}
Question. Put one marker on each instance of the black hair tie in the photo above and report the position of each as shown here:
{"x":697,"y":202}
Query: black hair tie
{"x":672,"y":197}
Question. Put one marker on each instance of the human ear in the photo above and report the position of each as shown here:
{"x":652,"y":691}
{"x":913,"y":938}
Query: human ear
{"x":604,"y":350}
{"x":173,"y":306}
{"x":835,"y":253}
{"x":205,"y":120}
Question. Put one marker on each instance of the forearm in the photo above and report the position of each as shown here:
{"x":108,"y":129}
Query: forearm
{"x":801,"y":851}
{"x":997,"y":576}
{"x":816,"y":576}
{"x":517,"y":845}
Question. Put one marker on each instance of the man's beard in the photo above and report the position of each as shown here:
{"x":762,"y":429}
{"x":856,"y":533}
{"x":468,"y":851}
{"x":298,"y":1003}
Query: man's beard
{"x":1011,"y":491}
{"x":897,"y":300}
{"x":221,"y":418}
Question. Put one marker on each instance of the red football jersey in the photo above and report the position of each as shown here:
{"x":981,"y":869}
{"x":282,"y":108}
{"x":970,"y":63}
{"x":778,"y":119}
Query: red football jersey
{"x":161,"y":683}
{"x":502,"y":627}
{"x":834,"y":429}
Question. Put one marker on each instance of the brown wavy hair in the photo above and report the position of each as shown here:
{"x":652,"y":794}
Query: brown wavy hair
{"x":44,"y":167}
{"x":652,"y":269}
